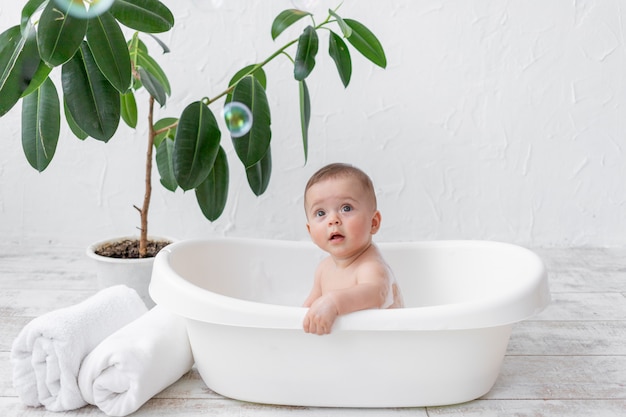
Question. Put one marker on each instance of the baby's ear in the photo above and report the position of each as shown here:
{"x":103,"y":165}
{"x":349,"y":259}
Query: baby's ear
{"x":376,"y":219}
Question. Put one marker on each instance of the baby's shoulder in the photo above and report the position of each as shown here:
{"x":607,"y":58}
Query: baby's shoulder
{"x":373,"y":267}
{"x":373,"y":258}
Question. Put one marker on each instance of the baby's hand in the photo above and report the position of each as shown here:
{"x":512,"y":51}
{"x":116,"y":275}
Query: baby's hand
{"x":321,"y":316}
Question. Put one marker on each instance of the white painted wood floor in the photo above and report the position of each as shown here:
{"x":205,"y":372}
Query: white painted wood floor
{"x":568,"y":361}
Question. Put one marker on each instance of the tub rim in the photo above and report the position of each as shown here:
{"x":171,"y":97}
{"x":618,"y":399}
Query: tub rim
{"x":188,"y":300}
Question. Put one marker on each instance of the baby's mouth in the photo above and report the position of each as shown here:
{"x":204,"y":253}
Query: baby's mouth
{"x":336,"y":237}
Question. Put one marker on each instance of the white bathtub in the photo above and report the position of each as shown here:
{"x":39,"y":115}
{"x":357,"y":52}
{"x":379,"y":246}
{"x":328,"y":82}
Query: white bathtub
{"x":242,"y":297}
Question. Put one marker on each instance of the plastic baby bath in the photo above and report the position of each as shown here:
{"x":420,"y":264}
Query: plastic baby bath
{"x":241,"y":299}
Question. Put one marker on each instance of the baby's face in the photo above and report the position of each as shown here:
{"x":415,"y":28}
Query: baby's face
{"x":341,"y":217}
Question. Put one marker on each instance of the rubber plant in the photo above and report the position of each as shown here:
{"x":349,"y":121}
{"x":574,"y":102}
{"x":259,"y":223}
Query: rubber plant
{"x":101,"y":72}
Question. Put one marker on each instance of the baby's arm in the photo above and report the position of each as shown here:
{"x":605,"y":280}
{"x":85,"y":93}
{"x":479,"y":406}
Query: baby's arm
{"x":360,"y":297}
{"x":370,"y":292}
{"x":316,"y":291}
{"x":371,"y":289}
{"x":322,"y":311}
{"x":321,"y":316}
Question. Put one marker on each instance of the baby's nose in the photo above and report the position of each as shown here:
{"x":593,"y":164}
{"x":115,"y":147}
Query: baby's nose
{"x":333,"y":219}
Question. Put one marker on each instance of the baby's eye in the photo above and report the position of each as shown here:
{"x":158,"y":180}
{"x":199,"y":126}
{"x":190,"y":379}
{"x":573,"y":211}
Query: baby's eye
{"x":346,"y":208}
{"x":320,"y":213}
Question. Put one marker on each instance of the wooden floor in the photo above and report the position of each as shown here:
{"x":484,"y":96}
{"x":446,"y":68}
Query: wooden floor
{"x":568,"y":361}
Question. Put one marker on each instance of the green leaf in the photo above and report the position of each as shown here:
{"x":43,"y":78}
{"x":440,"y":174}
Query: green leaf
{"x":166,"y":122}
{"x":164,"y":47}
{"x":338,"y":51}
{"x":149,"y":16}
{"x":252,"y":146}
{"x":109,"y":49}
{"x":259,"y":74}
{"x":153,"y":86}
{"x":58,"y":35}
{"x":77,"y":131}
{"x":135,"y":44}
{"x":345,"y":29}
{"x":11,"y":43}
{"x":41,"y":122}
{"x":285,"y":19}
{"x":305,"y":54}
{"x":32,"y":67}
{"x":305,"y":117}
{"x":213,"y":192}
{"x":164,"y":155}
{"x":128,"y":106}
{"x":196,"y":145}
{"x":40,"y":75}
{"x":145,"y":61}
{"x":19,"y":62}
{"x":29,"y":9}
{"x":93,"y":102}
{"x":366,"y":43}
{"x":259,"y":174}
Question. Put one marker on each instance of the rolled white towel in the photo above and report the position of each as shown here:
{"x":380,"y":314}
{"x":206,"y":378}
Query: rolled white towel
{"x":135,"y":363}
{"x":47,"y":353}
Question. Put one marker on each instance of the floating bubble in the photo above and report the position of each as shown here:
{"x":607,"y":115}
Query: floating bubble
{"x":238,"y":118}
{"x":84,"y":9}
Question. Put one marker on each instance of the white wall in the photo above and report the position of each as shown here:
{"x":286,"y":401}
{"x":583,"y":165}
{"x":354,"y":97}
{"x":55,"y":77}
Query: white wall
{"x":493,"y":120}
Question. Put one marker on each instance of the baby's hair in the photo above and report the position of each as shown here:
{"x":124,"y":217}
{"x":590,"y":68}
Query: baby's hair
{"x":338,"y":170}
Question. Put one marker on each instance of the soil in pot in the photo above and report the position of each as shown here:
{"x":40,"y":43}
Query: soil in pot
{"x":129,"y":248}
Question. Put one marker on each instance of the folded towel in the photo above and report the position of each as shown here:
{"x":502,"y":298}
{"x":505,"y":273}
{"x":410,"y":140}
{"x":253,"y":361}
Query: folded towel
{"x":136,"y":363}
{"x":47,"y":353}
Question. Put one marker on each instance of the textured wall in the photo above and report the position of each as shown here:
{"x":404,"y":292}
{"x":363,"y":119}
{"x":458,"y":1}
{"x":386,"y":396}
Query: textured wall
{"x":494,"y":120}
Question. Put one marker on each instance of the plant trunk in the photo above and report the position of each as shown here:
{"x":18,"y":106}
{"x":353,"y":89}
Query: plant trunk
{"x":143,"y":240}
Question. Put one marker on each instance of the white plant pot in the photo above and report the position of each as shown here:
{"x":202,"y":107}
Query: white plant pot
{"x":134,"y":273}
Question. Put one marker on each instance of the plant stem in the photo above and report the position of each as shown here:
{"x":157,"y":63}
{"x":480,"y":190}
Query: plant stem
{"x":166,"y":128}
{"x":153,"y":133}
{"x":143,"y":240}
{"x":267,"y":60}
{"x":252,"y":70}
{"x":256,"y":67}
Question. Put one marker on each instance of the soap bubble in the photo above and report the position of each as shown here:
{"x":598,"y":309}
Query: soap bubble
{"x":84,"y":9}
{"x":238,"y":118}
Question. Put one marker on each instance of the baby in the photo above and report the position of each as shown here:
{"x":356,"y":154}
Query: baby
{"x":341,"y":213}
